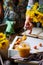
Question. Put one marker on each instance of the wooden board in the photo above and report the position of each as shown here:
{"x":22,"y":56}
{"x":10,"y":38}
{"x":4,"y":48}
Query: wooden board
{"x":40,"y":35}
{"x":35,"y":32}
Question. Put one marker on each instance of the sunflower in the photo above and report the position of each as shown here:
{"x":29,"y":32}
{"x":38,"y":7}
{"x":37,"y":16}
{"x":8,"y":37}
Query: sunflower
{"x":2,"y":36}
{"x":0,"y":46}
{"x":4,"y":44}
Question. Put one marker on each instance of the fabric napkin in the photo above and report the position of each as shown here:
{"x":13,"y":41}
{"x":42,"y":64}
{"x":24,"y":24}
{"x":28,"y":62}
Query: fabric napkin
{"x":32,"y":57}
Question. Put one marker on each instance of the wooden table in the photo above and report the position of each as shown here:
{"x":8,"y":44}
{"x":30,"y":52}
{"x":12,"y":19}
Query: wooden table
{"x":11,"y":37}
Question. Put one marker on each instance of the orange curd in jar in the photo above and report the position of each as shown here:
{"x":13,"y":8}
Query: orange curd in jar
{"x":24,"y":50}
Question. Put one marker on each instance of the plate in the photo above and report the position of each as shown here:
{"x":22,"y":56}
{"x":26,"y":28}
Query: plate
{"x":31,"y":41}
